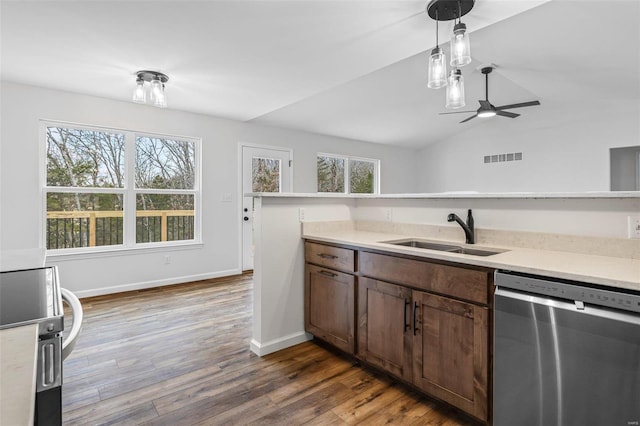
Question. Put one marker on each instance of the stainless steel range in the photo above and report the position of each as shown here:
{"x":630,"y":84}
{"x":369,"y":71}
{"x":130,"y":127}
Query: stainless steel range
{"x":566,"y":353}
{"x":34,"y":296}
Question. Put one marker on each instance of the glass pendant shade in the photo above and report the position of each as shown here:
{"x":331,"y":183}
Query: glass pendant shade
{"x":157,"y":94}
{"x":460,"y":50}
{"x":162,"y":99}
{"x":437,"y":69}
{"x":139,"y":94}
{"x":455,"y":90}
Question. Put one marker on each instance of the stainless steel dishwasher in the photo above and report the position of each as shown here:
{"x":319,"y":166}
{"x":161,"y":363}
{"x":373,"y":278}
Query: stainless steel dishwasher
{"x":566,"y":353}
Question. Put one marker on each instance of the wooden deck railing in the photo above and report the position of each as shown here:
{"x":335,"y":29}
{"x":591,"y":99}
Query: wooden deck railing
{"x":94,"y":228}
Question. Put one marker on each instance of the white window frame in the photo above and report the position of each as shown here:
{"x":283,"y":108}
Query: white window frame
{"x":347,"y":181}
{"x":128,"y":192}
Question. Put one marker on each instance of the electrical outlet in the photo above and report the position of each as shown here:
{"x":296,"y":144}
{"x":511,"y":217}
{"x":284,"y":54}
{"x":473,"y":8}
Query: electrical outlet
{"x":301,"y":214}
{"x":633,"y":226}
{"x":167,"y":259}
{"x":388,"y":215}
{"x":226,"y":197}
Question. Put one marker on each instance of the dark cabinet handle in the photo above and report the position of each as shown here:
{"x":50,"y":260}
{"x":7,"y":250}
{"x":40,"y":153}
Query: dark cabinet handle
{"x":327,"y":256}
{"x":328,"y":274}
{"x":406,"y":320}
{"x":415,"y":322}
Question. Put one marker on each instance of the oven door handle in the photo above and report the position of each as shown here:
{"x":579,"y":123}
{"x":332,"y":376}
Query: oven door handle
{"x":76,"y":309}
{"x":586,"y":309}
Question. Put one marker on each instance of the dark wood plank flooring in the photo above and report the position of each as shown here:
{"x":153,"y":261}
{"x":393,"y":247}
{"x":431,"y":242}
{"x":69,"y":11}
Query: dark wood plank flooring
{"x":179,"y":355}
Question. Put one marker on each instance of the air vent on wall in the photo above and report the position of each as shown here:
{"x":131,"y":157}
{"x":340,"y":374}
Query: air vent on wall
{"x":499,"y":158}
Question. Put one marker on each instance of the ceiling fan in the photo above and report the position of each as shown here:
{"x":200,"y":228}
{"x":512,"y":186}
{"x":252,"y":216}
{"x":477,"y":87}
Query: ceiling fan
{"x":487,"y":109}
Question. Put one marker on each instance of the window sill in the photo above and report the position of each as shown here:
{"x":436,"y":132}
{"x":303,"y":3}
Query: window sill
{"x":72,"y":254}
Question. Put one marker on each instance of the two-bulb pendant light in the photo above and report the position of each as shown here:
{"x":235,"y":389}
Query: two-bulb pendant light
{"x":443,"y":10}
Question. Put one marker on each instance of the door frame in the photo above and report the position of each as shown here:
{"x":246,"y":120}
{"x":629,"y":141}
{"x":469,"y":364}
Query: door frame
{"x":239,"y":202}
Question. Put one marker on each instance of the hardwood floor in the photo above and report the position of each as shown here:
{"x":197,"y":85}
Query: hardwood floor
{"x":179,"y":355}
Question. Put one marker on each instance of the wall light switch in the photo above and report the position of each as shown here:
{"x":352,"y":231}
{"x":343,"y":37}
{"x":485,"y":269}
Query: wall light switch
{"x":227,"y":197}
{"x":301,"y":214}
{"x":633,"y":226}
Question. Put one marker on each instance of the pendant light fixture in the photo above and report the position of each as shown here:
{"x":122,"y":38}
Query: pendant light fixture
{"x":460,"y":48}
{"x":447,"y":10}
{"x":153,"y":93}
{"x":455,"y":90}
{"x":437,"y":65}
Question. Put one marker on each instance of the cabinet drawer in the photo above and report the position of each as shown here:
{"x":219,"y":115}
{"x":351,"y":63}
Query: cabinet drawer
{"x":332,"y":257}
{"x":463,"y":283}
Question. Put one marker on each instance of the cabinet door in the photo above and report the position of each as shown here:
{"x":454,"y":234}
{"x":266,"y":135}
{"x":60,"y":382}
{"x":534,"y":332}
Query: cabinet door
{"x":450,"y":352}
{"x":384,"y":326}
{"x":329,"y":306}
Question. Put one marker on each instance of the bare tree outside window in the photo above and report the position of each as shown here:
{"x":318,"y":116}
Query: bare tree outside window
{"x":164,"y":164}
{"x":335,"y":172}
{"x":79,"y":158}
{"x":331,"y":174}
{"x":86,"y":185}
{"x":265,"y":175}
{"x":361,"y":177}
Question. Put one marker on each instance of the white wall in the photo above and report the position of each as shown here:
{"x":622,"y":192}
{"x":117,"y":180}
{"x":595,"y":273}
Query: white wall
{"x":278,"y":299}
{"x":565,"y":149}
{"x":20,"y":194}
{"x":603,"y":217}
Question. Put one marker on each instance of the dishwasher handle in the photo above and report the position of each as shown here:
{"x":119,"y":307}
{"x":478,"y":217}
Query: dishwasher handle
{"x":580,"y":308}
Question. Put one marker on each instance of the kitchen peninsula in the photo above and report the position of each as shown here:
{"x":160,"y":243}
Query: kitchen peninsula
{"x":574,"y":236}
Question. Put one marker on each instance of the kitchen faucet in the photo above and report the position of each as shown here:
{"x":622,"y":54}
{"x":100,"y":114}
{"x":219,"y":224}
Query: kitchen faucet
{"x":466,"y":227}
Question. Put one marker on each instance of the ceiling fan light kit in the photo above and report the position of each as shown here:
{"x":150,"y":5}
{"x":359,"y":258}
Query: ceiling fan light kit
{"x":447,"y":10}
{"x":152,"y":93}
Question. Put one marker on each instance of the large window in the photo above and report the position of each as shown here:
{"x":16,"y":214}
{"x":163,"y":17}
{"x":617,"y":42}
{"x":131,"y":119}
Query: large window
{"x":107,"y":188}
{"x":348,"y":175}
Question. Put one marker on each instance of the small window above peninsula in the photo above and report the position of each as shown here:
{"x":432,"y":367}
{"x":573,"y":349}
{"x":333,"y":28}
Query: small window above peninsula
{"x":347,"y":175}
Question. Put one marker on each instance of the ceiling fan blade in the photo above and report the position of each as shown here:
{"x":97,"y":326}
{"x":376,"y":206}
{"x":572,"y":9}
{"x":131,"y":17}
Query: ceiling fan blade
{"x":467,"y":119}
{"x":456,"y":112}
{"x":520,"y":105}
{"x":507,"y":114}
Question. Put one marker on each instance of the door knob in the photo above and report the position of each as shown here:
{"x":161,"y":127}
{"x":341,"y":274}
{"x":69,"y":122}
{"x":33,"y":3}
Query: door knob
{"x":246,"y":218}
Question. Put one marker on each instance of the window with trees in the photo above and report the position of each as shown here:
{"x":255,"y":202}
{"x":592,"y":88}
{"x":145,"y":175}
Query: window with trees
{"x":347,"y":175}
{"x":107,"y":187}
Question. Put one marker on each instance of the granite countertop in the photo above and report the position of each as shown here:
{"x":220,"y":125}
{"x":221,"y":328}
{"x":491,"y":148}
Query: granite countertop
{"x":616,"y":272}
{"x":18,"y":351}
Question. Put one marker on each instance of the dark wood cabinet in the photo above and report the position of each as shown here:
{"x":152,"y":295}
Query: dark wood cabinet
{"x":425,"y":322}
{"x":329,"y":312}
{"x":450,"y":351}
{"x":384,"y":326}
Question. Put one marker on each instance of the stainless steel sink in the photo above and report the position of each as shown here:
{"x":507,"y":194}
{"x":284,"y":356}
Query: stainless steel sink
{"x":443,"y":247}
{"x":475,"y":252}
{"x":423,"y":245}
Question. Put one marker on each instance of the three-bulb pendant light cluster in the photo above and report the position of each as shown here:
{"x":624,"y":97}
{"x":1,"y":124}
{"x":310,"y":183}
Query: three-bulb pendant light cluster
{"x":153,"y":92}
{"x":446,"y":10}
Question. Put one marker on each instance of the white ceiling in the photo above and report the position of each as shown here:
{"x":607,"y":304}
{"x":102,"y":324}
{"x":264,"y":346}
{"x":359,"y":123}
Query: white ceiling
{"x":348,"y":68}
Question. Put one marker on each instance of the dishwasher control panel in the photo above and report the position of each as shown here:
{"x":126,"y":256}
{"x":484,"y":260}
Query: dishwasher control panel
{"x":618,"y":299}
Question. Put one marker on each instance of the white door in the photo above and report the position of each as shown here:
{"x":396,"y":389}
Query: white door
{"x":263,"y":170}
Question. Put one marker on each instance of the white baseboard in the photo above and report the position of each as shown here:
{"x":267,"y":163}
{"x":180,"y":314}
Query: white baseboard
{"x":262,"y":349}
{"x":156,"y":283}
